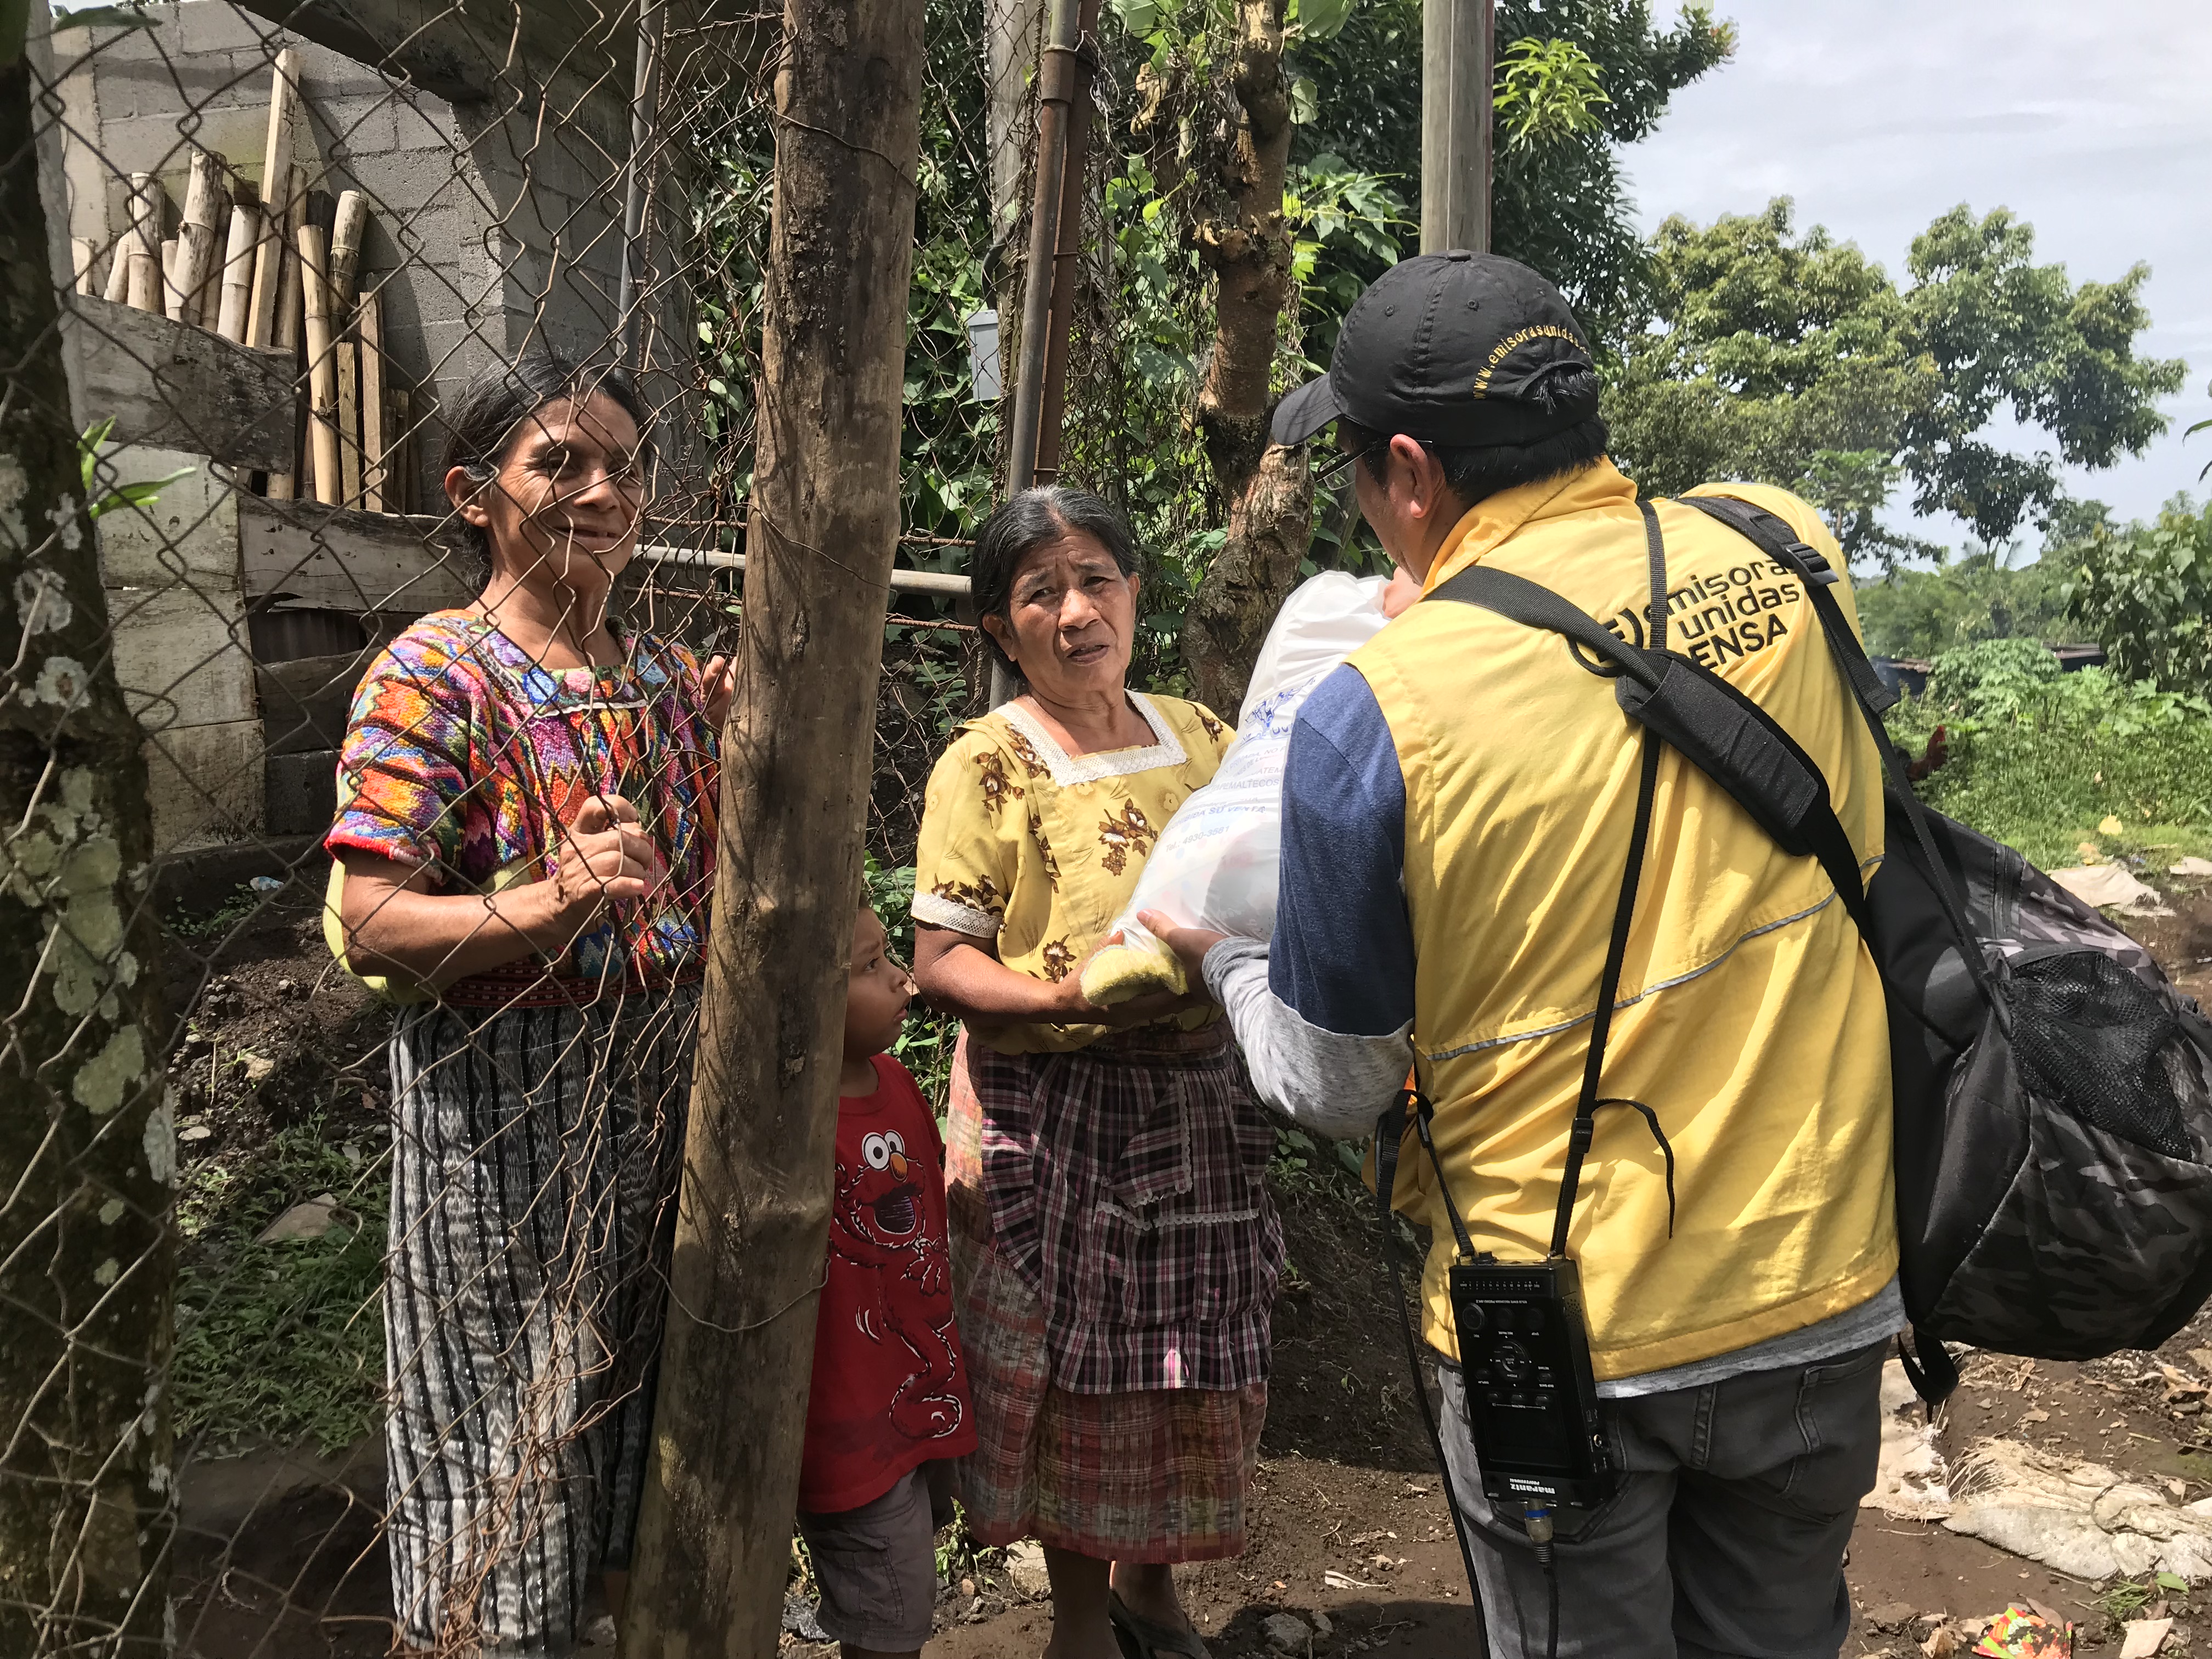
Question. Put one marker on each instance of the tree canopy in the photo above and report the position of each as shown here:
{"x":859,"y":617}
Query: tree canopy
{"x":1794,"y":359}
{"x":1559,"y":202}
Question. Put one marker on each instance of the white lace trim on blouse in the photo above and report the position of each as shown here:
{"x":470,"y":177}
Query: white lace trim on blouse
{"x":1068,"y":770}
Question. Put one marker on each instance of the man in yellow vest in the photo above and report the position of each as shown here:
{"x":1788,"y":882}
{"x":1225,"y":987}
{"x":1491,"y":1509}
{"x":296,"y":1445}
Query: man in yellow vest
{"x":1458,"y":806}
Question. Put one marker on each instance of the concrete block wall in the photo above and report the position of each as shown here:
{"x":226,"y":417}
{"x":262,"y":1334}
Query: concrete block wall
{"x":175,"y":601}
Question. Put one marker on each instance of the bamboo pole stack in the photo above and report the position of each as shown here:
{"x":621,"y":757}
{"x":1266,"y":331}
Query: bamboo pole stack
{"x":237,"y":292}
{"x":372,"y":470}
{"x":205,"y":200}
{"x":322,"y":366}
{"x":255,"y":268}
{"x":281,"y":190}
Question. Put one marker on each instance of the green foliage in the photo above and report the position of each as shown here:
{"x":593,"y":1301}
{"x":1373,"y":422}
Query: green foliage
{"x":99,"y":498}
{"x":280,"y":1342}
{"x":925,"y":1046}
{"x":1923,"y":613}
{"x":2039,"y":758}
{"x":949,"y":439}
{"x":1560,"y":203}
{"x":1547,"y":90}
{"x":1796,"y":359}
{"x":240,"y":903}
{"x":2145,"y":593}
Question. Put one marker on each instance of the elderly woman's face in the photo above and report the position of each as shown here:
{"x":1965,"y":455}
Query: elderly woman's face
{"x":1071,"y":618}
{"x":566,"y":501}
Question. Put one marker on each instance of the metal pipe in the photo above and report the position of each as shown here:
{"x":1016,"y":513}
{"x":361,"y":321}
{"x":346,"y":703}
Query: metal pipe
{"x":1055,"y":95}
{"x":644,"y":109}
{"x":1056,"y":67}
{"x":902,"y":581}
{"x":1069,"y":249}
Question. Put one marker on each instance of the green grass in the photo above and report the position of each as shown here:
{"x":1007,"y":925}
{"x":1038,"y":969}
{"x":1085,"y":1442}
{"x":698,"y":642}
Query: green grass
{"x":241,"y":902}
{"x":2040,"y":760}
{"x":280,"y":1342}
{"x":2126,"y":1598}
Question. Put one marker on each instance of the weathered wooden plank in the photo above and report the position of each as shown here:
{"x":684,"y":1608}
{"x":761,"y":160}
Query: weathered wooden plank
{"x":304,"y":703}
{"x":281,"y":191}
{"x":180,"y":387}
{"x":340,"y":560}
{"x":372,"y":402}
{"x":349,"y":423}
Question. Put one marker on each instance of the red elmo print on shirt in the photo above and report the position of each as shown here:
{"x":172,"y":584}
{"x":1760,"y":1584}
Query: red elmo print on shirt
{"x":878,"y":1224}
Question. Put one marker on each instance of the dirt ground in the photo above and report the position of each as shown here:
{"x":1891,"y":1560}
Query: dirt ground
{"x":278,"y":1555}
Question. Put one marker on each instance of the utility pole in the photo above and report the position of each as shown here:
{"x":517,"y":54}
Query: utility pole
{"x":1458,"y":56}
{"x":88,"y":1150}
{"x":752,"y":1226}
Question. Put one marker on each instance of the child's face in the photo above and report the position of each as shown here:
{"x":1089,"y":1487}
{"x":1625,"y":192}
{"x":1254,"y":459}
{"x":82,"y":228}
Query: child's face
{"x":878,"y":993}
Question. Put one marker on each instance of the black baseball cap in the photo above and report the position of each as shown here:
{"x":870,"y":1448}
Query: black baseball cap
{"x":1467,"y":350}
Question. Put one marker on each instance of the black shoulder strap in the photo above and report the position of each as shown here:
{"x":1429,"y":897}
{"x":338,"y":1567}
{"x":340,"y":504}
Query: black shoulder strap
{"x":1776,"y":538}
{"x":1726,"y":735}
{"x":1533,"y":606}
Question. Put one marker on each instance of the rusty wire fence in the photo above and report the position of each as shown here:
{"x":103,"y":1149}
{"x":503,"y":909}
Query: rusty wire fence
{"x":407,"y":1202}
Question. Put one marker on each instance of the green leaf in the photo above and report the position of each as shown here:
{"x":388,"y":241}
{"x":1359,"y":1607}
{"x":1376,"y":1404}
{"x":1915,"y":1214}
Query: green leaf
{"x":1320,"y":20}
{"x":2174,"y":1582}
{"x":1140,"y":17}
{"x":1305,"y":101}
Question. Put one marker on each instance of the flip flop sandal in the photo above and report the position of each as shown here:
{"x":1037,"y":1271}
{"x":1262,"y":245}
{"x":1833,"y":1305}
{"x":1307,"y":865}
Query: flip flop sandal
{"x":1150,"y":1641}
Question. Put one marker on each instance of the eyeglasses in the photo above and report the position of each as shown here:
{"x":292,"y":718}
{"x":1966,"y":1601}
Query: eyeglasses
{"x":1329,"y":474}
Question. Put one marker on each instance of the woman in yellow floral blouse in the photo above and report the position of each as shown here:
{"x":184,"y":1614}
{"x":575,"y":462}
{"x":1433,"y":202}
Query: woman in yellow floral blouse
{"x":1115,"y":1252}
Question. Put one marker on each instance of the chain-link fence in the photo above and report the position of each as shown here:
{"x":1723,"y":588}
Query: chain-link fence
{"x":388,"y":335}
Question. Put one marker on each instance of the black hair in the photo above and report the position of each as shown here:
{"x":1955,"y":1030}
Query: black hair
{"x":482,"y":426}
{"x":1474,"y":475}
{"x":1023,"y":523}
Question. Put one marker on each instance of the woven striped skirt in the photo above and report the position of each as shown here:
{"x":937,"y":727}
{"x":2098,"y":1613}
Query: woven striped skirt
{"x":535,"y":1160}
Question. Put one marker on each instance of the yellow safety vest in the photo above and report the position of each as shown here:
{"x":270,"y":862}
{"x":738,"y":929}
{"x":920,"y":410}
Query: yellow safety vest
{"x":1750,"y":1017}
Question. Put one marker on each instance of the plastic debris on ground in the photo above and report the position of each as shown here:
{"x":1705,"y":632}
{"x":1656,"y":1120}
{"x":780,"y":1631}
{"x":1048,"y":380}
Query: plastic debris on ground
{"x":2021,"y":1632}
{"x":2080,"y":1519}
{"x":1910,"y":1481}
{"x":2107,"y":885}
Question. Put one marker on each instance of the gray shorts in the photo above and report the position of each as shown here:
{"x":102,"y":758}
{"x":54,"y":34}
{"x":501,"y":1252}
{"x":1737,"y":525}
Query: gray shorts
{"x":1727,"y":1537}
{"x":875,"y":1566}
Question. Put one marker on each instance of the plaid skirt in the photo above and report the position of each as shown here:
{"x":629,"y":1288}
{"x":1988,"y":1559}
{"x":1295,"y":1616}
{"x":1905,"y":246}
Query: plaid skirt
{"x":536,"y":1153}
{"x":1115,"y":1261}
{"x":1152,"y":1475}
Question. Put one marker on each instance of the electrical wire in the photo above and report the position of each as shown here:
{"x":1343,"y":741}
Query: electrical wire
{"x":1537,"y":1519}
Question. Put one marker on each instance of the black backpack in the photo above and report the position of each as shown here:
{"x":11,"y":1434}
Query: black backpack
{"x":2053,"y":1090}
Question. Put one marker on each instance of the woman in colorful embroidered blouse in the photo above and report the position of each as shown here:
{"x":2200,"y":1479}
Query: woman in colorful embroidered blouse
{"x":525,"y":849}
{"x":1115,"y":1250}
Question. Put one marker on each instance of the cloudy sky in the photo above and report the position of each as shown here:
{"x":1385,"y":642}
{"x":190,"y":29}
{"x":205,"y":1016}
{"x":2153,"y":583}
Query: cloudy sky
{"x":2093,"y":123}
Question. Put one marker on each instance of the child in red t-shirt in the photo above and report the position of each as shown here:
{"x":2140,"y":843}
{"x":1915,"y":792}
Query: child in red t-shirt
{"x":889,"y":1401}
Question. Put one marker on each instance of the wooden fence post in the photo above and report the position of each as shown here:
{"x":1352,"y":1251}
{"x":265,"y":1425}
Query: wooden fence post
{"x":752,"y":1228}
{"x":88,"y":1152}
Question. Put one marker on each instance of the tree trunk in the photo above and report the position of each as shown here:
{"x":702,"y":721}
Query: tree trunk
{"x":752,"y":1226}
{"x":1266,"y":489}
{"x":88,"y":1150}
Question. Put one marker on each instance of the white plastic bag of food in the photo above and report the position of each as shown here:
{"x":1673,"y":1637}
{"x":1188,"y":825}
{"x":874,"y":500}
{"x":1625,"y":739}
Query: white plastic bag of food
{"x":1216,"y":862}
